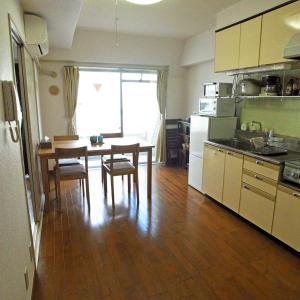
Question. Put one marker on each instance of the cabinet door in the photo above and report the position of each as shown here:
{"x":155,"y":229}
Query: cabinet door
{"x":232,"y":180}
{"x":286,"y":226}
{"x":213,"y":172}
{"x":257,"y":207}
{"x":278,"y":26}
{"x":250,"y":43}
{"x":227,"y":49}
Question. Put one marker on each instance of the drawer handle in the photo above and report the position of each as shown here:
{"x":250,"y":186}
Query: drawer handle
{"x":246,"y":187}
{"x":296,"y":195}
{"x":220,"y":150}
{"x":260,"y":163}
{"x":258,"y":178}
{"x":229,"y":153}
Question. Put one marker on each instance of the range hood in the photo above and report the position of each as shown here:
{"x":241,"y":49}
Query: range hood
{"x":292,"y":49}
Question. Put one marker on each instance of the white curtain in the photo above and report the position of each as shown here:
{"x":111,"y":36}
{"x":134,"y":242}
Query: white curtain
{"x":71,"y":83}
{"x":162,"y":84}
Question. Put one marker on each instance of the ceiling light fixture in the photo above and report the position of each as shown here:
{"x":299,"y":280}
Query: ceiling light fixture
{"x":144,"y":2}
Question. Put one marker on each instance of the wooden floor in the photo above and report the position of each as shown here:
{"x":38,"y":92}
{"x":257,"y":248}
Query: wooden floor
{"x":179,"y":246}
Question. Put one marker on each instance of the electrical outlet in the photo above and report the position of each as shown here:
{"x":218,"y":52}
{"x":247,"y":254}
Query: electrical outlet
{"x":26,"y":278}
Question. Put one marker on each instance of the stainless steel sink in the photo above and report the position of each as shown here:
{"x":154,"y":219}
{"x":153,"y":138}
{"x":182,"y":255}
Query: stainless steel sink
{"x":247,"y":146}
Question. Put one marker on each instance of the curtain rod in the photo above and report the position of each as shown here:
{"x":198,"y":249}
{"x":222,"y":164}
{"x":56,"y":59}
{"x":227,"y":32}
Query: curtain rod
{"x":107,"y":65}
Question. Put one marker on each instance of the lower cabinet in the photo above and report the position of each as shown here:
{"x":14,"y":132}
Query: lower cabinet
{"x":286,"y":226}
{"x":257,"y":207}
{"x":232,"y":180}
{"x":213,"y":172}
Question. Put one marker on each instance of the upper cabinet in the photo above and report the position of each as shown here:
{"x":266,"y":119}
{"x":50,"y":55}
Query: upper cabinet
{"x":278,"y":26}
{"x":227,"y":49}
{"x":250,"y":43}
{"x":258,"y":41}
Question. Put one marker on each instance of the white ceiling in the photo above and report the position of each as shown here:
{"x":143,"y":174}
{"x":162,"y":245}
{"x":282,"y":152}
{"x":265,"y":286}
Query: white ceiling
{"x":169,"y":18}
{"x":61,"y":16}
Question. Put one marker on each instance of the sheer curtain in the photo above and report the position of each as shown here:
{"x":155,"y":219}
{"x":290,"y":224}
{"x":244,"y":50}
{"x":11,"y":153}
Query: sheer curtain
{"x":71,"y":83}
{"x":162,"y":83}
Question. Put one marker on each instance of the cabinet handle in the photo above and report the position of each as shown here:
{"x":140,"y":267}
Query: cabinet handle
{"x":296,"y":195}
{"x":220,"y":150}
{"x":246,"y":187}
{"x":258,"y":178}
{"x":258,"y":162}
{"x":229,"y":153}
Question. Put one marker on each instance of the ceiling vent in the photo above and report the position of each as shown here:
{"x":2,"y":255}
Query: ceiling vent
{"x":36,"y":35}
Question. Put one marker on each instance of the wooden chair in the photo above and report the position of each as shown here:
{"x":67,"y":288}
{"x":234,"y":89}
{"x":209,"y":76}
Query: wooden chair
{"x":71,"y":172}
{"x":119,"y":168}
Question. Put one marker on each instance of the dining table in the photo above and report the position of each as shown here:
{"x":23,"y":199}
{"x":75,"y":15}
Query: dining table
{"x":46,"y":154}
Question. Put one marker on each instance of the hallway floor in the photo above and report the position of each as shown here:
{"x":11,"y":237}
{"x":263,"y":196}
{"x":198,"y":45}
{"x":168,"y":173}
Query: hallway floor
{"x":181,"y":245}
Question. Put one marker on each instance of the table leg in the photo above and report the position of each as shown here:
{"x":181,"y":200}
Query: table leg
{"x":149,"y":174}
{"x":44,"y":169}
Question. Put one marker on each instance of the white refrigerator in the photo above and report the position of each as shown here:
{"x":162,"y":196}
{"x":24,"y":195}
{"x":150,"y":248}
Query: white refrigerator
{"x":206,"y":128}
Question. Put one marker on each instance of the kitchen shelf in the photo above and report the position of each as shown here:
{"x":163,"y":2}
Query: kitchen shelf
{"x":269,"y":97}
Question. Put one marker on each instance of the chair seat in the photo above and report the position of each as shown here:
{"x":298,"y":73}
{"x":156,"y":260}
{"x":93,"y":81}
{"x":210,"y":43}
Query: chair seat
{"x":72,"y":171}
{"x":68,"y":162}
{"x":120,"y":168}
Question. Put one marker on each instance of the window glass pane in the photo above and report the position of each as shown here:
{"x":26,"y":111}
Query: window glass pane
{"x":98,"y":106}
{"x":149,"y":76}
{"x":131,"y":76}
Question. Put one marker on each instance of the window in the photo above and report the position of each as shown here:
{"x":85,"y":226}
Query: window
{"x":120,"y":102}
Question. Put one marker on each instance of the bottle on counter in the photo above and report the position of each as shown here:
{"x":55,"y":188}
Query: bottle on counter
{"x":295,"y":90}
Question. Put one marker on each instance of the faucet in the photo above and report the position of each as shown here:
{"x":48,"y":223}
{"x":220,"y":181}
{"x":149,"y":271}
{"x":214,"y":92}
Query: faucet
{"x":258,"y":123}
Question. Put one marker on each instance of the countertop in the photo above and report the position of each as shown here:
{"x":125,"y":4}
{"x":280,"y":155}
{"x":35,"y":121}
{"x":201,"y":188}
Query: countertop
{"x":274,"y":159}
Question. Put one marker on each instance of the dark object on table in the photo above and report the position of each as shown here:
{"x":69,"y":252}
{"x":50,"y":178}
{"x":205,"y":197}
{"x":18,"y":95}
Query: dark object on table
{"x":45,"y":144}
{"x":94,"y":139}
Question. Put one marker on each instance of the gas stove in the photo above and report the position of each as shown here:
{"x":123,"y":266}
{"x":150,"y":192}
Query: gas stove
{"x":291,"y":171}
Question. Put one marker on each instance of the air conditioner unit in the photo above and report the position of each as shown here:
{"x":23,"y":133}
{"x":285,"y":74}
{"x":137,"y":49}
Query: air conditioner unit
{"x":36,"y":35}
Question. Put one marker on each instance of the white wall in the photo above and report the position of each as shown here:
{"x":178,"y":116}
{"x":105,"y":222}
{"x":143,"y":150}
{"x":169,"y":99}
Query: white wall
{"x":99,"y":47}
{"x":244,"y":9}
{"x":14,"y":225}
{"x":199,"y":48}
{"x":195,"y":77}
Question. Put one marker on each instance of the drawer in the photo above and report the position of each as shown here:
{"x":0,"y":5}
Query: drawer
{"x":257,"y":207}
{"x":261,"y":182}
{"x":262,"y":168}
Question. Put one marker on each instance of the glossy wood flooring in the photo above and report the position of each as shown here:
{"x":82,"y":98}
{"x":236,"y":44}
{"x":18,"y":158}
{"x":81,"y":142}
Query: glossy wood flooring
{"x":179,"y":246}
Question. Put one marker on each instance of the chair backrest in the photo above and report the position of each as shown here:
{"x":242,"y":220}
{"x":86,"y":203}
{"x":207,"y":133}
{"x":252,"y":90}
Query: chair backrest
{"x":61,"y":153}
{"x":58,"y":138}
{"x":131,"y":149}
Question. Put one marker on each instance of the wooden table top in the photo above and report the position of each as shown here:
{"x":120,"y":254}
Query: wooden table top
{"x":102,"y":149}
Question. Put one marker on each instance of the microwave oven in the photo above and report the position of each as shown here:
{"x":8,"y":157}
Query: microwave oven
{"x":217,"y":107}
{"x":217,"y":89}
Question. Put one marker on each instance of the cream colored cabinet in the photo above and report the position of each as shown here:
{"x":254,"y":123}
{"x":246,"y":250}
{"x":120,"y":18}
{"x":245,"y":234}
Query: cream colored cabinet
{"x":227,"y":49}
{"x":250,"y":43}
{"x":257,"y":207}
{"x":286,"y":226}
{"x":232,"y":180}
{"x":278,"y":26}
{"x":213,"y":172}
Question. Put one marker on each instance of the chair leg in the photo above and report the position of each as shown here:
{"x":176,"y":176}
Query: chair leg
{"x":105,"y":183}
{"x":129,"y":183}
{"x":112,"y":190}
{"x":122,"y":177}
{"x":87,"y":191}
{"x":83,"y":188}
{"x":137,"y":187}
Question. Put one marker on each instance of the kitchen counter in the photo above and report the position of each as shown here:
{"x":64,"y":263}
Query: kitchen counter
{"x":274,"y":159}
